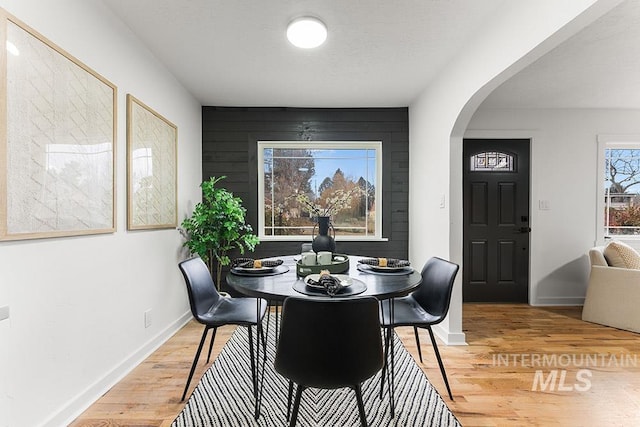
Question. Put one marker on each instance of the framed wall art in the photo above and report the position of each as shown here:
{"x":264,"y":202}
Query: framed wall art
{"x":57,"y":144}
{"x":151,"y":168}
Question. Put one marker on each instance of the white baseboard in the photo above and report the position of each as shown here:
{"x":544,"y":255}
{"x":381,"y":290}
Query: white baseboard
{"x":551,"y":301}
{"x":449,"y":338}
{"x":86,"y":398}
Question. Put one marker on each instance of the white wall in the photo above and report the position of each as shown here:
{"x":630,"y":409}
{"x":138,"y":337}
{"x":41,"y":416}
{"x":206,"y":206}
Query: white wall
{"x":77,"y":304}
{"x":519,"y":34}
{"x":563,"y":172}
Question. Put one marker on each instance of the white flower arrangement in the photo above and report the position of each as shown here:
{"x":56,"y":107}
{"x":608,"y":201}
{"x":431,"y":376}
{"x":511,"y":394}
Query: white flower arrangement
{"x":339,"y":200}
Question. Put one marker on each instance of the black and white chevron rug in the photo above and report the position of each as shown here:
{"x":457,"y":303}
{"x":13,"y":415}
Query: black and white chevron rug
{"x":224,"y":396}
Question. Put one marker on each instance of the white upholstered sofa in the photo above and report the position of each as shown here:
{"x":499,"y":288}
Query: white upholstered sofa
{"x":613,"y":294}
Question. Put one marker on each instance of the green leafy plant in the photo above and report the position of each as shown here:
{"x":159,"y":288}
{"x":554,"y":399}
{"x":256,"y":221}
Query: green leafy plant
{"x":217,"y":226}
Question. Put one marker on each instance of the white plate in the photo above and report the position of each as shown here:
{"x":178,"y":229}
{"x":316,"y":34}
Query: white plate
{"x":345,"y":280}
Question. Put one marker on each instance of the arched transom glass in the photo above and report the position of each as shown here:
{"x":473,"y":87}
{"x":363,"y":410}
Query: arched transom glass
{"x":492,"y":161}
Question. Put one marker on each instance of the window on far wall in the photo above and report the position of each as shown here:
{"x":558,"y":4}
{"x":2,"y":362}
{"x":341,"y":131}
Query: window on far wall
{"x":299,"y":180}
{"x":620,"y":207}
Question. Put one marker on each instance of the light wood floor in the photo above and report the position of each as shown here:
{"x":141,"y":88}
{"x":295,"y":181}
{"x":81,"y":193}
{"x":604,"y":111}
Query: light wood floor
{"x":493,"y":378}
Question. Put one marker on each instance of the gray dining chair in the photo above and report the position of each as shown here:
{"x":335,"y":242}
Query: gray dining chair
{"x":423,"y":308}
{"x":212,"y":310}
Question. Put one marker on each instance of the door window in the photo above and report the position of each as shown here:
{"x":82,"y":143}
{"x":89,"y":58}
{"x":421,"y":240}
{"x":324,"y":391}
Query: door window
{"x":492,"y":161}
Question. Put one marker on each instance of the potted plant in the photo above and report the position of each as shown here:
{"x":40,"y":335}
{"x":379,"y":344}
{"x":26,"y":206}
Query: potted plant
{"x":218,"y":226}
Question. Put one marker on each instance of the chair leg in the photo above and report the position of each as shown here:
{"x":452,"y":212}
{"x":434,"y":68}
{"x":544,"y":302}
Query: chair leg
{"x":296,"y":406}
{"x":264,"y":340}
{"x":195,"y":361}
{"x":363,"y":417}
{"x":444,"y":374}
{"x":254,"y":377}
{"x":289,"y":396}
{"x":213,"y":337}
{"x":415,"y":332}
{"x":260,"y":323}
{"x":384,"y":364}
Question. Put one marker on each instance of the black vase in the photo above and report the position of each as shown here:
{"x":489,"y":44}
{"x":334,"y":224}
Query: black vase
{"x":323,"y":241}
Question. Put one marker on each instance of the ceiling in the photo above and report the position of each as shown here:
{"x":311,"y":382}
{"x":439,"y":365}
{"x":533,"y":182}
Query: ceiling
{"x":235,"y":53}
{"x":597,"y":68}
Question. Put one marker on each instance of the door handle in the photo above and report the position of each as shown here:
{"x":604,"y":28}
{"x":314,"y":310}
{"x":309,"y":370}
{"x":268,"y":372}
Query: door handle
{"x":524,"y":230}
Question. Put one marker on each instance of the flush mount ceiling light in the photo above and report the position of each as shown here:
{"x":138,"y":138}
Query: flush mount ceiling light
{"x":306,"y":32}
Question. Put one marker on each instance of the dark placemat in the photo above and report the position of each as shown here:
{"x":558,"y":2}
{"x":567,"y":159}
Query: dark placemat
{"x":356,"y":287}
{"x":249,"y":262}
{"x":390,"y":262}
{"x":267,"y":272}
{"x":367,"y":269}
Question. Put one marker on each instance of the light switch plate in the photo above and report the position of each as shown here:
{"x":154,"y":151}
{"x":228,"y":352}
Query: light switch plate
{"x":4,"y":312}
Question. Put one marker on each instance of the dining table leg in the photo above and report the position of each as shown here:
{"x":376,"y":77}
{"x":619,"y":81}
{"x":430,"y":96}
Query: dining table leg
{"x":277,"y":320}
{"x":259,"y":372}
{"x":385,"y":335}
{"x":388,"y":368}
{"x":392,"y":385}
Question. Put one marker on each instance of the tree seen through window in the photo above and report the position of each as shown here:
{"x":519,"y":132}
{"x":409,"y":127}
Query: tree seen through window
{"x":300,"y":184}
{"x":622,"y":191}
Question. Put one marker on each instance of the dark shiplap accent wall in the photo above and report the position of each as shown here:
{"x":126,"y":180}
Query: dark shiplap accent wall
{"x":229,"y":147}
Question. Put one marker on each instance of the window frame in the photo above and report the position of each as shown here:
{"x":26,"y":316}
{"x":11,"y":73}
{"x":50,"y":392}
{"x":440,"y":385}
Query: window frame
{"x":321,"y":145}
{"x":604,"y":142}
{"x":512,"y":162}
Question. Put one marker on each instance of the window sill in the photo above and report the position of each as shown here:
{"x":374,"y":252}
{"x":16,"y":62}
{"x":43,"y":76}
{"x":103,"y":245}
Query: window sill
{"x":633,"y":241}
{"x":304,"y":239}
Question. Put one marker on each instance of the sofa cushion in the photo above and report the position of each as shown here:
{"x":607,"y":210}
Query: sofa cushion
{"x":619,"y":254}
{"x":596,"y":256}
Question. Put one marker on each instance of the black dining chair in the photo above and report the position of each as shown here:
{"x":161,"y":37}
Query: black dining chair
{"x":212,"y":310}
{"x":425,"y":307}
{"x":329,"y":344}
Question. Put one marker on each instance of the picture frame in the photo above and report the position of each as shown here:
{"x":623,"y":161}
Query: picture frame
{"x":151,"y":168}
{"x":58,"y":140}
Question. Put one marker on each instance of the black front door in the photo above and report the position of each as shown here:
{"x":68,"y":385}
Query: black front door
{"x":496,"y":220}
